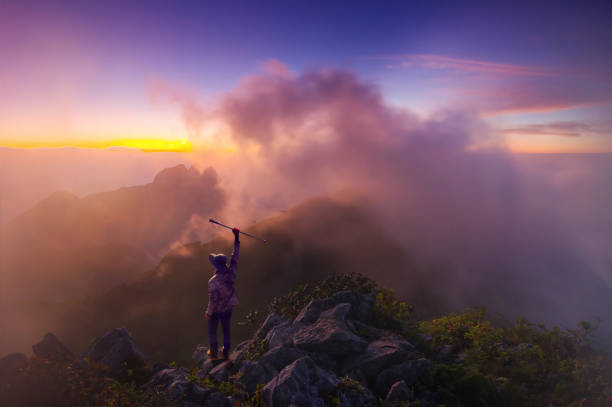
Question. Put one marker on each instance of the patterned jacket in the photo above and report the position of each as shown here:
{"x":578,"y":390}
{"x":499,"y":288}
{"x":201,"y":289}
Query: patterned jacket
{"x":221,"y":293}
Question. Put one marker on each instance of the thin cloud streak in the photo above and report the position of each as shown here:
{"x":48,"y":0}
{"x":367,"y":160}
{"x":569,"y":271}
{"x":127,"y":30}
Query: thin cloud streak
{"x":562,"y":129}
{"x":469,"y":65}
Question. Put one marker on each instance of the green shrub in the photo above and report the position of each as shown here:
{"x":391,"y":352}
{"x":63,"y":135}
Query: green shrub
{"x":76,"y":383}
{"x":255,"y":349}
{"x":523,"y":364}
{"x":390,"y":313}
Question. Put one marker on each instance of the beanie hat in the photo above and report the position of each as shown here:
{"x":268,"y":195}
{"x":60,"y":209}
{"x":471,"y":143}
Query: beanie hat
{"x":219,"y":261}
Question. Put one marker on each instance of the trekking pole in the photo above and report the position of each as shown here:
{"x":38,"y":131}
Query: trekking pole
{"x":244,"y":233}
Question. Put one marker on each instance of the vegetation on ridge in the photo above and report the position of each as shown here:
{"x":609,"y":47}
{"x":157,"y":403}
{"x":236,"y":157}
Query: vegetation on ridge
{"x":478,"y":361}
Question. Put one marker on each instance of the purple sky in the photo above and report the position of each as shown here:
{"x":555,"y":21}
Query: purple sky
{"x":77,"y":73}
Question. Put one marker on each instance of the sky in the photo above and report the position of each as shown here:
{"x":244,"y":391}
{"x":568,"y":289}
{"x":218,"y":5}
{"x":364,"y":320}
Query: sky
{"x":420,"y":107}
{"x":88,"y":74}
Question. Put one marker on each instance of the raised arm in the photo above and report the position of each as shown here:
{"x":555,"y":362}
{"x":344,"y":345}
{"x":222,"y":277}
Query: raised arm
{"x":234,"y":260}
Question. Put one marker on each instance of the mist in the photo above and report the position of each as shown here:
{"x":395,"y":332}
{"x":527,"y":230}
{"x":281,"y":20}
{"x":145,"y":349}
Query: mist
{"x":29,"y":175}
{"x":522,"y":234}
{"x":525,"y":235}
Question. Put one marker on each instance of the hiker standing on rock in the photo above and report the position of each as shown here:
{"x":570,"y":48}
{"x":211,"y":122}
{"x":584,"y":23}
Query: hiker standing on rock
{"x":222,"y":298}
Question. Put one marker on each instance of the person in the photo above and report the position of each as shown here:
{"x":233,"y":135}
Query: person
{"x":222,"y":298}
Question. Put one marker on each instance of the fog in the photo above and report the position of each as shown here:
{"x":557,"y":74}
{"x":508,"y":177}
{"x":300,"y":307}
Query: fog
{"x":524,"y":234}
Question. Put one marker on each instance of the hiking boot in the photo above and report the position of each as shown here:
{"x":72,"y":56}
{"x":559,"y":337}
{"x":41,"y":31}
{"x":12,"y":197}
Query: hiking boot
{"x":211,"y":355}
{"x":226,"y":353}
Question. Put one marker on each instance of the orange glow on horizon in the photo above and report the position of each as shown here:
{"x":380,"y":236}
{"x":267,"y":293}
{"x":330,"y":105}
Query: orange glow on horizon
{"x":144,"y":144}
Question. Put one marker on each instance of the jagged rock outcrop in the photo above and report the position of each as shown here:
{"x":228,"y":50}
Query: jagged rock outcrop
{"x":329,"y":354}
{"x":302,"y":383}
{"x":51,"y":348}
{"x":410,"y":371}
{"x":399,"y":392}
{"x":378,"y":355}
{"x":185,"y":393}
{"x":330,"y":334}
{"x":117,"y":350}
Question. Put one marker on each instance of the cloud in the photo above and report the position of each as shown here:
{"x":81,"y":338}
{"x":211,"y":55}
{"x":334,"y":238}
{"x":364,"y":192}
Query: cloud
{"x":563,"y":129}
{"x":494,"y":88}
{"x":432,"y":61}
{"x":192,"y":111}
{"x":455,"y":197}
{"x":544,"y":95}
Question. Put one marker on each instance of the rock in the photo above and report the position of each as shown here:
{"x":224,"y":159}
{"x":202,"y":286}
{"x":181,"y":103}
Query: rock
{"x":302,"y":383}
{"x":354,"y":398}
{"x":353,"y":394}
{"x":446,"y":354}
{"x":222,"y":371}
{"x":410,"y":371}
{"x":282,"y":334}
{"x":217,"y":399}
{"x":330,"y":334}
{"x":367,"y":332}
{"x":117,"y":350}
{"x":51,"y":348}
{"x":399,"y":392}
{"x":379,"y":354}
{"x":253,"y":373}
{"x":310,"y":313}
{"x":184,"y":393}
{"x":159,"y":366}
{"x":209,"y":365}
{"x":174,"y":383}
{"x":324,"y":361}
{"x":362,"y":307}
{"x":199,"y":355}
{"x":237,"y":356}
{"x":271,"y":321}
{"x":280,"y":356}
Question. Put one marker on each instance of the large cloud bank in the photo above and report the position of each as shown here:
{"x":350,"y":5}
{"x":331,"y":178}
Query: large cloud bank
{"x":488,"y":227}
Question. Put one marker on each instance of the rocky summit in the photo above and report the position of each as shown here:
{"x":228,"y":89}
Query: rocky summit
{"x":341,"y":349}
{"x":329,"y":355}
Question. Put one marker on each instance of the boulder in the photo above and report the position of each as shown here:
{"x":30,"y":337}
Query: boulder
{"x":379,"y":354}
{"x":399,"y":392}
{"x":280,"y":356}
{"x":51,"y":348}
{"x":310,"y":313}
{"x":199,"y":355}
{"x":223,"y":371}
{"x":362,"y":307}
{"x":302,"y":383}
{"x":174,"y":384}
{"x":117,"y":350}
{"x":253,"y":373}
{"x":238,"y":355}
{"x":324,"y":361}
{"x":413,"y":371}
{"x":368,"y":332}
{"x":356,"y":398}
{"x":330,"y":334}
{"x":282,"y":334}
{"x":271,"y":321}
{"x":446,"y":354}
{"x":209,"y":365}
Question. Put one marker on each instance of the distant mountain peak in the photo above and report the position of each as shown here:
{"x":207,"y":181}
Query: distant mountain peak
{"x":172,"y":174}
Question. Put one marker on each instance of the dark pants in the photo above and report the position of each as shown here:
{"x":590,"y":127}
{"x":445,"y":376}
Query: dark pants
{"x":213,"y":322}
